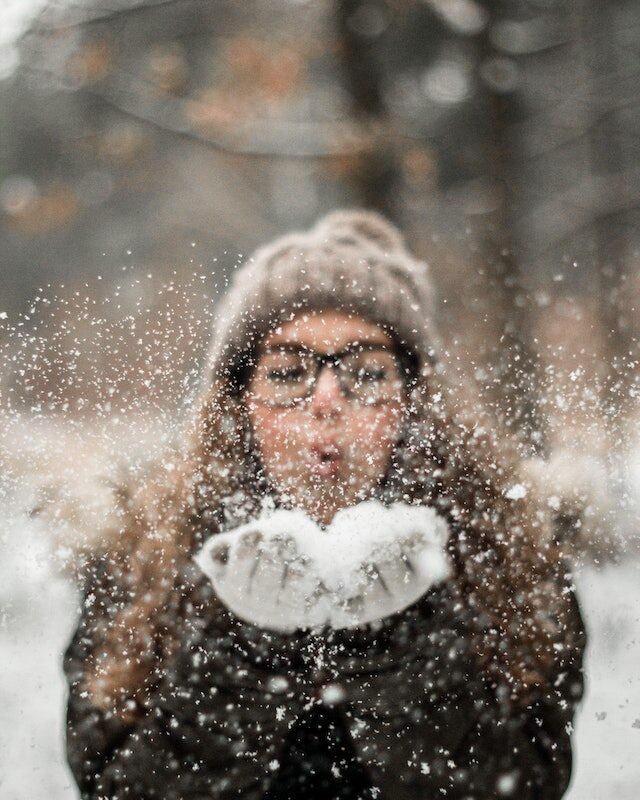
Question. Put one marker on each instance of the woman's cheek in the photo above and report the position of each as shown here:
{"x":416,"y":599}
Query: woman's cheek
{"x":380,"y":425}
{"x":373,"y":433}
{"x":281,"y":438}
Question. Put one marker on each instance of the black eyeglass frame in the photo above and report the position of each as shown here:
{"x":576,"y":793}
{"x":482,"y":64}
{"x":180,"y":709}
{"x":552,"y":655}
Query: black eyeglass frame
{"x":322,"y":360}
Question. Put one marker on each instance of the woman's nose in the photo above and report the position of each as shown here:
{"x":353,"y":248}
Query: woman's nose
{"x":327,"y":398}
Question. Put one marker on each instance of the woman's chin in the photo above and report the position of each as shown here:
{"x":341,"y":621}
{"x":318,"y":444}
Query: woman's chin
{"x":321,"y":506}
{"x":322,"y":495}
{"x":323,"y":471}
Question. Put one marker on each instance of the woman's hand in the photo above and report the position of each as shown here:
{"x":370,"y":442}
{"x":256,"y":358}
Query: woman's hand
{"x":262,"y":577}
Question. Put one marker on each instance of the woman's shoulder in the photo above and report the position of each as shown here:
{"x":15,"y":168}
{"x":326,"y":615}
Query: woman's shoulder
{"x":101,"y":593}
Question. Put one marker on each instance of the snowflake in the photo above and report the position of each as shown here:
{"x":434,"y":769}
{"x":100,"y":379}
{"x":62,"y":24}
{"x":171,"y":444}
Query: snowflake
{"x":516,"y":492}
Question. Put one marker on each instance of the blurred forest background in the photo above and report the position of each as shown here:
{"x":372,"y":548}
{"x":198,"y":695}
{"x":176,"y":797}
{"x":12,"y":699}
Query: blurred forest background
{"x":170,"y":137}
{"x":147,"y":146}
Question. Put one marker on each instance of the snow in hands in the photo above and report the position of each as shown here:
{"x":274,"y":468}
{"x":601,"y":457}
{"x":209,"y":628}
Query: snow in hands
{"x":283,"y":572}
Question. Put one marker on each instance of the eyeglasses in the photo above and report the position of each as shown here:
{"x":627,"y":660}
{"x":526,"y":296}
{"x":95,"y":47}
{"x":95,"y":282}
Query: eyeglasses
{"x":369,"y":374}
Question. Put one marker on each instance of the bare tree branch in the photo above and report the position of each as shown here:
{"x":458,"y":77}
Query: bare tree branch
{"x":85,"y":16}
{"x":269,"y":138}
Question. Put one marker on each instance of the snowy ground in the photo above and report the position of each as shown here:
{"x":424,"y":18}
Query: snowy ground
{"x":607,"y":741}
{"x":38,"y":614}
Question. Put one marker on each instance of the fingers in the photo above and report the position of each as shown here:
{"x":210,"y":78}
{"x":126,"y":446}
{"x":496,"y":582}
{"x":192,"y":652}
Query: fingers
{"x":398,"y":574}
{"x":244,"y":560}
{"x":391,"y":583}
{"x":263,"y":579}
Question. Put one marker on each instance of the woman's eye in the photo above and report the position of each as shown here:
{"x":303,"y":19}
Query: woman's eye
{"x":371,"y":374}
{"x":286,"y":374}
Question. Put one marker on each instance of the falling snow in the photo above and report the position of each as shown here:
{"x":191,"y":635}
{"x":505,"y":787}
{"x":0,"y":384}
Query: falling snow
{"x":39,"y":597}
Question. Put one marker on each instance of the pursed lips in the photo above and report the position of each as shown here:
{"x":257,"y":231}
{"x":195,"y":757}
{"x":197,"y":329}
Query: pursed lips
{"x":326,"y":458}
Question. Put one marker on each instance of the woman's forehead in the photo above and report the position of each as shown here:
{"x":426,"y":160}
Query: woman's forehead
{"x":327,"y":331}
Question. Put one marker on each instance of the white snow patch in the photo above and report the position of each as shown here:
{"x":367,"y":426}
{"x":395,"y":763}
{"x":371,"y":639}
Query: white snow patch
{"x":606,"y":743}
{"x":332,"y":694}
{"x":516,"y":492}
{"x":506,"y":784}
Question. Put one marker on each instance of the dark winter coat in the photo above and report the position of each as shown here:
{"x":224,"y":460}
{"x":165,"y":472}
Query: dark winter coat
{"x":395,"y":711}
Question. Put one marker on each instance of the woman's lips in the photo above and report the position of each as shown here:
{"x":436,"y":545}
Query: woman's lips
{"x":325,"y":459}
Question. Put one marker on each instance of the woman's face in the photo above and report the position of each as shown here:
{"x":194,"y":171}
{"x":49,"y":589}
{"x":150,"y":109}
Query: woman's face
{"x":326,"y":430}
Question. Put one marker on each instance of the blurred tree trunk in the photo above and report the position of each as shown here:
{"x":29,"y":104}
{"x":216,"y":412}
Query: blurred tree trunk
{"x":517,"y":364}
{"x":374,"y":172}
{"x":607,"y":160}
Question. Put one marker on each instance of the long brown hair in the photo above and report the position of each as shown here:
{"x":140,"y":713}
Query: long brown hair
{"x":447,"y":458}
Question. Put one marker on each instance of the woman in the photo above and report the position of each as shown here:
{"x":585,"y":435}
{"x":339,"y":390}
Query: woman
{"x":324,"y":396}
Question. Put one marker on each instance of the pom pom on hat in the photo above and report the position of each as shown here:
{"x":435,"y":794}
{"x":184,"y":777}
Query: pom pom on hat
{"x":354,"y":226}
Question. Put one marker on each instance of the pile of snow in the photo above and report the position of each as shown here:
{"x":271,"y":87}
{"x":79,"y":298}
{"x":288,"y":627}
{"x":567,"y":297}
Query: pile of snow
{"x":283,"y":572}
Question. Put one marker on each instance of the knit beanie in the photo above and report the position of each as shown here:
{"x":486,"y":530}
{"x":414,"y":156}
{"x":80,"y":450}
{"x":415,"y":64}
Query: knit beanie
{"x":352,"y":261}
